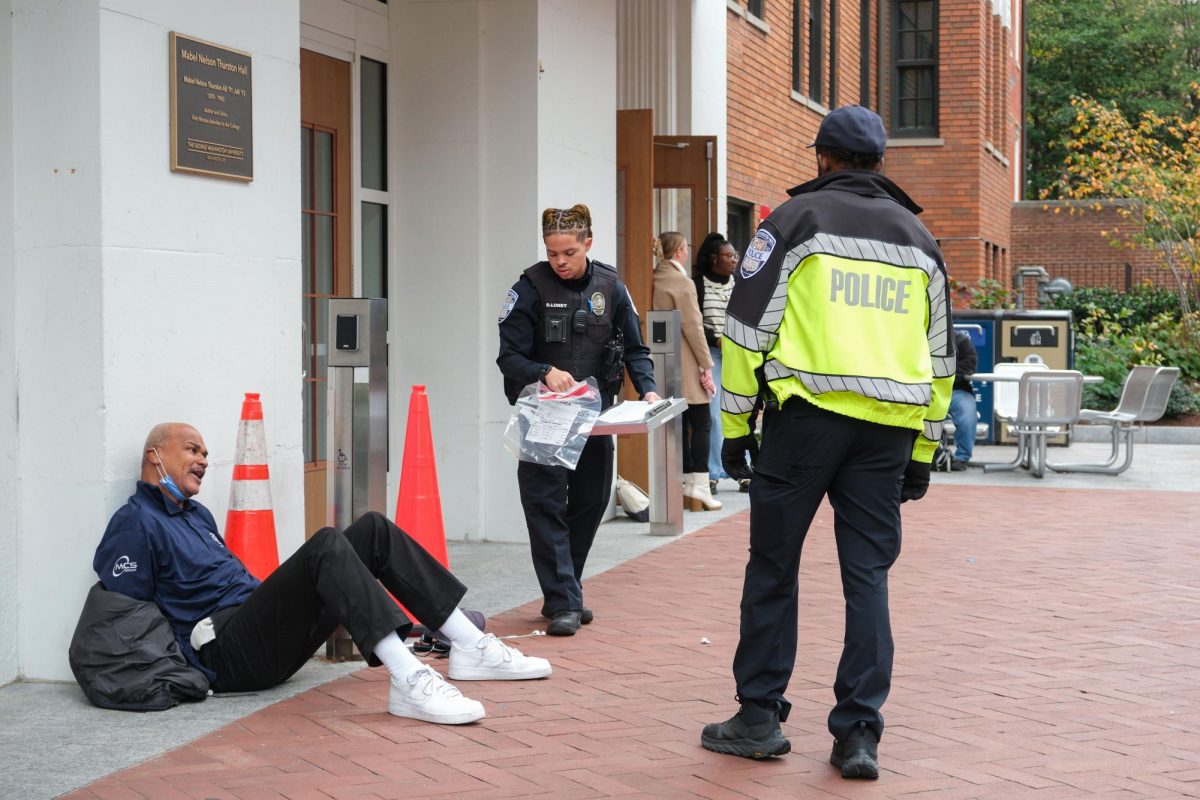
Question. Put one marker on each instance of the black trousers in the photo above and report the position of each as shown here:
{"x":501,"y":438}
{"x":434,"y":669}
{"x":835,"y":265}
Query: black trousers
{"x":808,"y":453}
{"x":697,"y":432}
{"x":563,"y":509}
{"x":334,"y":578}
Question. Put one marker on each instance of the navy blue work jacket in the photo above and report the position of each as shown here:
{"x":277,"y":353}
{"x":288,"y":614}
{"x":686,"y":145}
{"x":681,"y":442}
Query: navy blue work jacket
{"x":172,"y":555}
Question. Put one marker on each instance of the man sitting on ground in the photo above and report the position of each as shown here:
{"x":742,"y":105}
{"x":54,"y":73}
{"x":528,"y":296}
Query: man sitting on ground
{"x":246,"y":635}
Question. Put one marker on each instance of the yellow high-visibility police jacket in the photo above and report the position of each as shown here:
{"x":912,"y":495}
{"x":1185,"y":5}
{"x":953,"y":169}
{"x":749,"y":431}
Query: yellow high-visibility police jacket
{"x":842,"y":300}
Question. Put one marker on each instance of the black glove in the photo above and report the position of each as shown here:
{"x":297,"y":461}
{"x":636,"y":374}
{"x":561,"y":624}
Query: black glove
{"x":916,"y":481}
{"x":733,"y":456}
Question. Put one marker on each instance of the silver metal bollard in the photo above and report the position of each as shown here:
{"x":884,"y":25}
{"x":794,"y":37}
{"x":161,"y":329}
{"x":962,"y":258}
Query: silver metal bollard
{"x":666,"y":467}
{"x":357,"y":429}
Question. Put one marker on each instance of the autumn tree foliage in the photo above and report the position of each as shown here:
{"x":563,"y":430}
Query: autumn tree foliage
{"x":1139,"y":54}
{"x":1152,"y":161}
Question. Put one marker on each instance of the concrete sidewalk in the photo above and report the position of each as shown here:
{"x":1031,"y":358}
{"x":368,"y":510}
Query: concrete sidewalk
{"x":1048,"y":645}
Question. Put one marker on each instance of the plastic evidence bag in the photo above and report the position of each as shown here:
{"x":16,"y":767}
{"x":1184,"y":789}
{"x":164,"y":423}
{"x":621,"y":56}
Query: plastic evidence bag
{"x":551,"y":428}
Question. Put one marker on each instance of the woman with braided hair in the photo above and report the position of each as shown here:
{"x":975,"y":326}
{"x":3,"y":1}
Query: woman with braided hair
{"x":556,"y":326}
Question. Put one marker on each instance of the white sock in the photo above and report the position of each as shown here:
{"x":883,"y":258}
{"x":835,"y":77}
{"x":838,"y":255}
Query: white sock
{"x":396,"y":657}
{"x":460,"y":630}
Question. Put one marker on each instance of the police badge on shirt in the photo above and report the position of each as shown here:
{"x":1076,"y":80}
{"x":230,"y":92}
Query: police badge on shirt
{"x":506,"y":308}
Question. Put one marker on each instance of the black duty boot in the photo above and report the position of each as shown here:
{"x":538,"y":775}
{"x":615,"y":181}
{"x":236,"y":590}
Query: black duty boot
{"x":858,"y":754}
{"x":564,"y":623}
{"x":736,"y":737}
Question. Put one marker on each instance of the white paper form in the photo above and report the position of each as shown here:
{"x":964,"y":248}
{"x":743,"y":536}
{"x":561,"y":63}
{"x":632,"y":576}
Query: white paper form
{"x":628,"y":411}
{"x":552,"y":423}
{"x":632,"y":411}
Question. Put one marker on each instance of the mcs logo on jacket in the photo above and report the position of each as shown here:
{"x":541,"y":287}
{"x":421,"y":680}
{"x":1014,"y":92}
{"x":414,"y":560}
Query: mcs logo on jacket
{"x":124,"y":565}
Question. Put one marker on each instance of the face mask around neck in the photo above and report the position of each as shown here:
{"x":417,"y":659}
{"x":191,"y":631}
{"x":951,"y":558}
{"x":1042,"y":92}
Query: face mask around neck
{"x":167,"y":482}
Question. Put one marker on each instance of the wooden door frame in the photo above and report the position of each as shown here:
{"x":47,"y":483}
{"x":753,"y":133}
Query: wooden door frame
{"x":635,"y":168}
{"x":326,"y":97}
{"x":690,"y":162}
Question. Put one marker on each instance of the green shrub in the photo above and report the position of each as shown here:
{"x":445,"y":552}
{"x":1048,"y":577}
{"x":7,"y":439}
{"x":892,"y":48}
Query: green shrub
{"x":1140,"y":304}
{"x":989,"y":293}
{"x":1108,"y":344}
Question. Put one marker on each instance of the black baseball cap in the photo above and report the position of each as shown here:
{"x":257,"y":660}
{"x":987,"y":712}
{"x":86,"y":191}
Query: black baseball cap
{"x":854,"y":129}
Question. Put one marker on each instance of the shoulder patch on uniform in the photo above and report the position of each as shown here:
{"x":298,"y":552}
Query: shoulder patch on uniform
{"x":757,"y":253}
{"x":506,"y":308}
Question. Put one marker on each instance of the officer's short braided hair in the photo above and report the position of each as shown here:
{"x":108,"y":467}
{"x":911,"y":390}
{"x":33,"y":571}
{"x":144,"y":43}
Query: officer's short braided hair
{"x":576,"y":221}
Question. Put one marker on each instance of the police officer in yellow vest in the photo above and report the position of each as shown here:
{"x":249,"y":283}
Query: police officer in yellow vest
{"x":841,"y":320}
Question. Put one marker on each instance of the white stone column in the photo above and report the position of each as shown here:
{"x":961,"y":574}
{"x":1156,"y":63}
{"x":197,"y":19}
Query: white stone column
{"x":57,"y":292}
{"x":517,"y":113}
{"x":140,"y":295}
{"x":8,"y":364}
{"x":709,"y":93}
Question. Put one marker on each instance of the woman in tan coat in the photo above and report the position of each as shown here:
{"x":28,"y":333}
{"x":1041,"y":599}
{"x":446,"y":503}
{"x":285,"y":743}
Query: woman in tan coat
{"x":674,"y":289}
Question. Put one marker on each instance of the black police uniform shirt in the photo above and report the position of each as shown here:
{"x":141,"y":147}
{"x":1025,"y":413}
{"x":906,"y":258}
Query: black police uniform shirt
{"x":521,"y":322}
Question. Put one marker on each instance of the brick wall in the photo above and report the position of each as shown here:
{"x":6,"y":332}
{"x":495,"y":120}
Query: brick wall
{"x":1088,"y":247}
{"x":768,"y":127}
{"x":963,"y":179}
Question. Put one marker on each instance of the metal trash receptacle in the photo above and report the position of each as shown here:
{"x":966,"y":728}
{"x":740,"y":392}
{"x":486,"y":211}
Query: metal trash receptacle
{"x":981,"y":327}
{"x":1047,"y":336}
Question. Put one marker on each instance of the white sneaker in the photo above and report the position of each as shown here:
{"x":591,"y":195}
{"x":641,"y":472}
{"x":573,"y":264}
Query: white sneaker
{"x":493,"y":660}
{"x":424,"y":695}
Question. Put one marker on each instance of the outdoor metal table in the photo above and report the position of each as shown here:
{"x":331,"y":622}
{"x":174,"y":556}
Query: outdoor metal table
{"x":662,"y":424}
{"x":1056,"y":416}
{"x":1016,"y":377}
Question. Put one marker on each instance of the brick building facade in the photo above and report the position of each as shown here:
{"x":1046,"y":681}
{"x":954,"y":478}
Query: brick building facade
{"x":944,"y":75}
{"x":1088,"y":247}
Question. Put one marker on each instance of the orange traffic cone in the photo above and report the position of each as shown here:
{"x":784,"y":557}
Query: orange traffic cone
{"x":419,"y":504}
{"x":250,"y":523}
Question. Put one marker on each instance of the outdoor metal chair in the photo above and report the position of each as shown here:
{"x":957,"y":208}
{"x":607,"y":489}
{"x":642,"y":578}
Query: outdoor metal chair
{"x":950,"y":432}
{"x":1047,"y":402}
{"x":1121,"y":419}
{"x":1005,"y":396}
{"x":1143,"y":399}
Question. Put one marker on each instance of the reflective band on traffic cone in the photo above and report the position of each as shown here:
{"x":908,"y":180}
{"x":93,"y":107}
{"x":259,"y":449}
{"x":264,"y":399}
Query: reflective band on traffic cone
{"x":250,"y":523}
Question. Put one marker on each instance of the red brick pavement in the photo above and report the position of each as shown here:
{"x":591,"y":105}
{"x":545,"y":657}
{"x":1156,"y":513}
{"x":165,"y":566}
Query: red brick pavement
{"x":1048,"y":646}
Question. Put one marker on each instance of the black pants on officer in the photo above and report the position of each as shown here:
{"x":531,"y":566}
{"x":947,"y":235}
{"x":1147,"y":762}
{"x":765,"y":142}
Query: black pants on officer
{"x":808,"y":453}
{"x":563,"y":509}
{"x":334,"y":578}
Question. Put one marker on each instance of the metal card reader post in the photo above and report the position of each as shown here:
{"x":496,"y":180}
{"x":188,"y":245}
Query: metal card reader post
{"x":356,"y":433}
{"x":661,"y":422}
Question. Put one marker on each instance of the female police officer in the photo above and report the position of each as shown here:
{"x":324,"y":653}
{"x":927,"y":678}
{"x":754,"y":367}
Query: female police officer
{"x":564,"y":320}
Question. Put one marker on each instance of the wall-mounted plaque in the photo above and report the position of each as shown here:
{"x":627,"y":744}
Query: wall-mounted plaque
{"x":212,"y":130}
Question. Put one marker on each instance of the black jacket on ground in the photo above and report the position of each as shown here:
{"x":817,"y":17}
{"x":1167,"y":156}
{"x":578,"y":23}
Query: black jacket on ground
{"x":125,"y":656}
